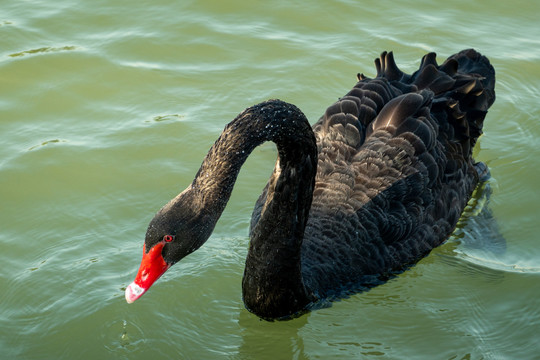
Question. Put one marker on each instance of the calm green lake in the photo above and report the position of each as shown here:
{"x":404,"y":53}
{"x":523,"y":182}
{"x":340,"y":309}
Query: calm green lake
{"x":107,"y":109}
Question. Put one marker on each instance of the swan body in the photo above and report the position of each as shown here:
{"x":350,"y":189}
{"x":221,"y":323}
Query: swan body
{"x":380,"y":180}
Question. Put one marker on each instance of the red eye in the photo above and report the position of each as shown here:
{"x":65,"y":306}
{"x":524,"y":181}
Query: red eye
{"x":168,"y":238}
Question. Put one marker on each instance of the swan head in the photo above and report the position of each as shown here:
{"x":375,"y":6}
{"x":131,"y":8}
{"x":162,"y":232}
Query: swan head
{"x":176,"y":231}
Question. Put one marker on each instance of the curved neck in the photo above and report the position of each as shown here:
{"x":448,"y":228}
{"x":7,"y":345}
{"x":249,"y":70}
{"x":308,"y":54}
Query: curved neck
{"x":272,"y":284}
{"x":273,"y":120}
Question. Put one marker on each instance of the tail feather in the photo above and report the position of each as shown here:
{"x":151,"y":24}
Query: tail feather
{"x":462,"y":87}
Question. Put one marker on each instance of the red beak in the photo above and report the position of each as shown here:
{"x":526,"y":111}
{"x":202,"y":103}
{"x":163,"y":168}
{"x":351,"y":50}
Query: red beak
{"x":152,"y":267}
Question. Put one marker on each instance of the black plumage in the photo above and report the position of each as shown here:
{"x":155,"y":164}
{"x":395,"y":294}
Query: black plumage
{"x":380,"y":180}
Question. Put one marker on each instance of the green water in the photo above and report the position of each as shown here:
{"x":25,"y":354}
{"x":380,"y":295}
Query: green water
{"x":106,"y":111}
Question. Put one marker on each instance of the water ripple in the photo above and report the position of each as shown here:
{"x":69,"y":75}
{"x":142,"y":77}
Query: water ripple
{"x":107,"y":112}
{"x":42,"y":50}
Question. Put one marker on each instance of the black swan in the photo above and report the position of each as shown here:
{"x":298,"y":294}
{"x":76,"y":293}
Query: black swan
{"x":380,"y":180}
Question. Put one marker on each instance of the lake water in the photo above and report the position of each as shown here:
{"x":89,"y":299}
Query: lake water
{"x":106,"y":111}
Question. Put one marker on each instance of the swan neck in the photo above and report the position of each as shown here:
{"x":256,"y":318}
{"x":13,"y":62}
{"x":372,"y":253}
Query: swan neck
{"x":273,"y":120}
{"x":272,"y":284}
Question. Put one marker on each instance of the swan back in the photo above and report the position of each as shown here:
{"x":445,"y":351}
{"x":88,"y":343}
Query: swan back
{"x":394,"y":171}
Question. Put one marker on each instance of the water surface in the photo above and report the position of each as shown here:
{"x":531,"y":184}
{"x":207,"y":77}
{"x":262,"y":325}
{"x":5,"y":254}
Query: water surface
{"x":106,"y":111}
